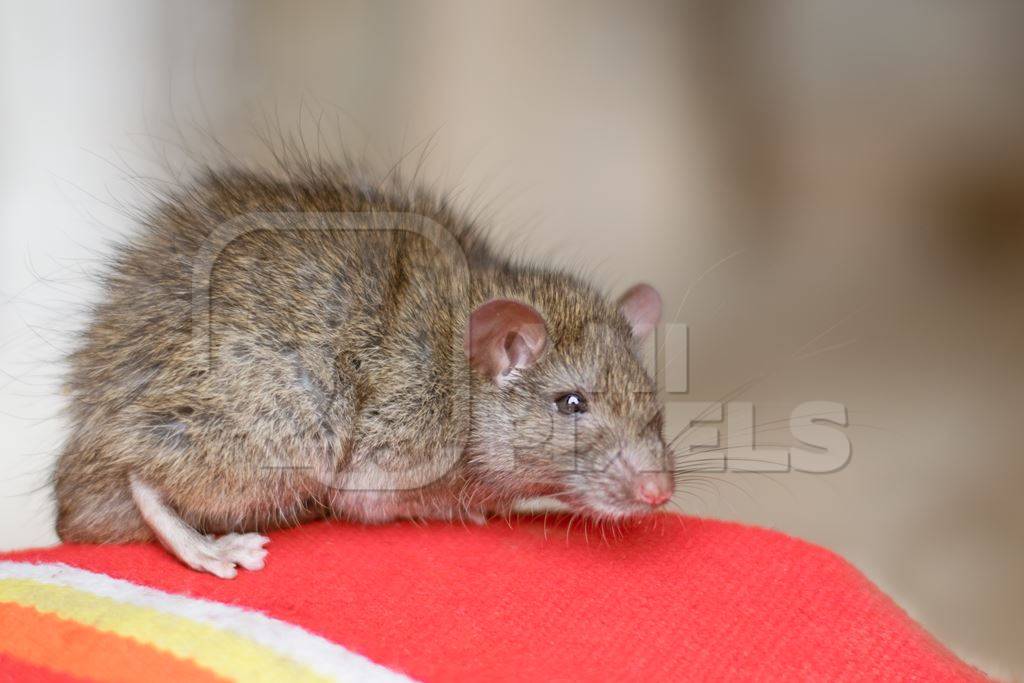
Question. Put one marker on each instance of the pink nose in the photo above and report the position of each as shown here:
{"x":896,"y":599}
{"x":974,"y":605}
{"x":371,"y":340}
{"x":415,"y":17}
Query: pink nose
{"x":653,"y":489}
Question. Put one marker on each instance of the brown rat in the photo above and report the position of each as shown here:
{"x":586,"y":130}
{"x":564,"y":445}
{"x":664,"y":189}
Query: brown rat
{"x":275,"y":350}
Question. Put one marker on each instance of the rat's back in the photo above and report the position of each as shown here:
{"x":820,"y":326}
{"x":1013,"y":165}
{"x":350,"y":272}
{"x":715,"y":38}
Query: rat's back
{"x":243,"y":337}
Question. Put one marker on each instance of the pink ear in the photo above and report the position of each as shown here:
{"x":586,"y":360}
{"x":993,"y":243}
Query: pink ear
{"x":641,"y":306}
{"x":504,"y":335}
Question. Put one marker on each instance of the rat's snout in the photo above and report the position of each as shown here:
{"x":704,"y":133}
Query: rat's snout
{"x":635,"y":482}
{"x":653,"y":488}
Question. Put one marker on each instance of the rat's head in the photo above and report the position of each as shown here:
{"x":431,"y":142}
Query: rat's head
{"x":562,"y":404}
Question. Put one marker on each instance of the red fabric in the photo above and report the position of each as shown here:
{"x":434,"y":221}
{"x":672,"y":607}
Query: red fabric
{"x":16,"y":671}
{"x":671,"y":598}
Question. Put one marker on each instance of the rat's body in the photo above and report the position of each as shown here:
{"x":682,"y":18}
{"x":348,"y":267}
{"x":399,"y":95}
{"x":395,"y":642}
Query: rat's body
{"x":261,"y":359}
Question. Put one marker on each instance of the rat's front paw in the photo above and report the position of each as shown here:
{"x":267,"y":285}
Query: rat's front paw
{"x":220,"y":555}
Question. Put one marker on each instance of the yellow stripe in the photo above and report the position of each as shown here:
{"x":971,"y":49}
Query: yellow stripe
{"x":223,"y":652}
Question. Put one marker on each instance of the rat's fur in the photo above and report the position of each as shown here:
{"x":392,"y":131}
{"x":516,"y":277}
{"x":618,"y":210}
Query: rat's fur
{"x":321,"y":351}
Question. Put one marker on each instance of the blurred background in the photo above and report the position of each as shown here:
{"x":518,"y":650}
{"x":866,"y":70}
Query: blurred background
{"x":829,"y":195}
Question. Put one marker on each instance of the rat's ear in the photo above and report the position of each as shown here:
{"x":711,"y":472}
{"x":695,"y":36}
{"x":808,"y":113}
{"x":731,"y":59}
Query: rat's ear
{"x":504,"y":335}
{"x":641,"y":306}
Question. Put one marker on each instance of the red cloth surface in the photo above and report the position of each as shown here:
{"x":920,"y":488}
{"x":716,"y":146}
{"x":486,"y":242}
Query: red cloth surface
{"x":671,"y":598}
{"x":16,"y":671}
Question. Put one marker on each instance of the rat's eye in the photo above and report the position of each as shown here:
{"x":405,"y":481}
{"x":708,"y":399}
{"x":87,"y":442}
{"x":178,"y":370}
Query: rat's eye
{"x":571,"y":404}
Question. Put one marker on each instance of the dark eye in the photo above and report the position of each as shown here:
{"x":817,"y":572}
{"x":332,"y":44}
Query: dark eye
{"x":571,"y":404}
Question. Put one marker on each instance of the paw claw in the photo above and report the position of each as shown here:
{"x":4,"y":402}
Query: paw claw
{"x":220,"y":556}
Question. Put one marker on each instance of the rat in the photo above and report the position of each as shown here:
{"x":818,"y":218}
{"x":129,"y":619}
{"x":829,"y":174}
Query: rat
{"x":274,"y":349}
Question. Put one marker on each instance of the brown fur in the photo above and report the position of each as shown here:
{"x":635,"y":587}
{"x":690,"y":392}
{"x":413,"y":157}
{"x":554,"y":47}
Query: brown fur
{"x":323,"y":350}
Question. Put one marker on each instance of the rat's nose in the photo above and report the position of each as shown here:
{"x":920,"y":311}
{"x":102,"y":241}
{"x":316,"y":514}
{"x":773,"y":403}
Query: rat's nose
{"x":653,"y":488}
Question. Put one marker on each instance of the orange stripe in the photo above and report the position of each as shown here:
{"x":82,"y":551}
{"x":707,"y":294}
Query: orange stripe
{"x":79,"y":650}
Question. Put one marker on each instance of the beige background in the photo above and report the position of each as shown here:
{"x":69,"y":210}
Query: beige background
{"x":831,"y":197}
